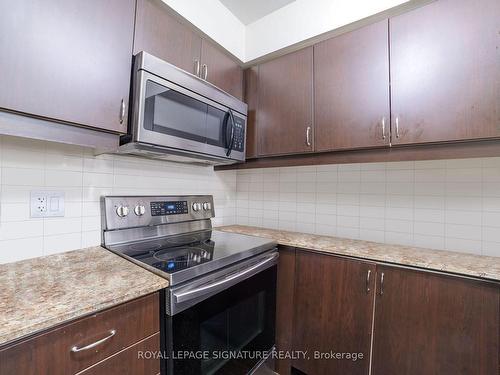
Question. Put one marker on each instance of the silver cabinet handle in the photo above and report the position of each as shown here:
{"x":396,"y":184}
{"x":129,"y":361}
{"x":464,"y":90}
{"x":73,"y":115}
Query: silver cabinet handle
{"x":197,"y":67}
{"x":381,"y":283}
{"x":308,"y":136}
{"x":204,"y":71}
{"x":368,"y":274}
{"x":122,"y":111}
{"x":397,"y":126}
{"x":76,"y":349}
{"x":383,"y":127}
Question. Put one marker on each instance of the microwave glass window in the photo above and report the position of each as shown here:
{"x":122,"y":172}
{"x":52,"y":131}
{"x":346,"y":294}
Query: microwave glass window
{"x":173,"y":113}
{"x":215,"y":127}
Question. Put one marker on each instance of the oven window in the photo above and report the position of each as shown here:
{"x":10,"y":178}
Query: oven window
{"x":232,"y":330}
{"x":170,"y":112}
{"x":238,"y":320}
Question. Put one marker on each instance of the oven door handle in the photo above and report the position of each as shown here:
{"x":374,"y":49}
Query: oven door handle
{"x":226,"y":281}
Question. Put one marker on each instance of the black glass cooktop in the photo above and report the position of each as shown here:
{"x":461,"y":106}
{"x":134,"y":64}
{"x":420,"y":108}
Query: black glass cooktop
{"x":183,"y":257}
{"x":174,"y":253}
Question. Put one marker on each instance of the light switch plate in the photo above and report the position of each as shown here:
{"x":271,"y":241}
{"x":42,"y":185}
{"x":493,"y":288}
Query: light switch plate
{"x":45,"y":203}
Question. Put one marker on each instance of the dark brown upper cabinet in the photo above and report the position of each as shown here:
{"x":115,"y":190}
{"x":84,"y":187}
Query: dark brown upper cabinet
{"x":67,"y":61}
{"x":221,"y":70}
{"x":434,"y":324}
{"x":351,"y":90}
{"x":333,"y":312}
{"x":445,"y":72}
{"x":251,"y":79}
{"x":162,"y":35}
{"x":285,"y":116}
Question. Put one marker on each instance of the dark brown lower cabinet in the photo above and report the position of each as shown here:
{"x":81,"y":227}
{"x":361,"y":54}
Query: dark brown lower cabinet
{"x":285,"y":306}
{"x":333,"y":314}
{"x":121,"y":332}
{"x":133,"y":360}
{"x":428,"y":324}
{"x":423,"y":323}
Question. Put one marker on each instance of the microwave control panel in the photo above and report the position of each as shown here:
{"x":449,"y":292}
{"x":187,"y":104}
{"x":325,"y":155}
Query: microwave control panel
{"x":239,"y":134}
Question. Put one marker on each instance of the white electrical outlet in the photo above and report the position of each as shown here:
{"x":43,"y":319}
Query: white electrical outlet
{"x":47,"y":203}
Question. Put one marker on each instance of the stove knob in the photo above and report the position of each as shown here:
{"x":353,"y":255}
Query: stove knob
{"x":196,"y":206}
{"x":122,"y":211}
{"x":139,"y":210}
{"x":207,"y":206}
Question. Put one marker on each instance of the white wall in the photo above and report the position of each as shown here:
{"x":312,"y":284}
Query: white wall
{"x":452,"y":205}
{"x":35,"y":165}
{"x":293,"y":23}
{"x":215,"y":20}
{"x":304,"y":19}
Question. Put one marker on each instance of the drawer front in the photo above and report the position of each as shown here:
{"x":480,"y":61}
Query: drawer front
{"x":51,"y":352}
{"x":131,"y":360}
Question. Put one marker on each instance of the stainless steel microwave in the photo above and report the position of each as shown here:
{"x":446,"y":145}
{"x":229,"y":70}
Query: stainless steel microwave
{"x":180,"y":117}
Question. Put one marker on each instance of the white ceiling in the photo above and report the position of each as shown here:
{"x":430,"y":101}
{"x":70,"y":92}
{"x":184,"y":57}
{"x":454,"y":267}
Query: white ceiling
{"x":248,"y":11}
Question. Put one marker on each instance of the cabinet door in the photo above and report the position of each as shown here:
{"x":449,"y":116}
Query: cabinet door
{"x":285,"y":104}
{"x":67,"y":60}
{"x":284,"y":306}
{"x":445,"y":72}
{"x":333,"y":313}
{"x":351,"y":89}
{"x":132,"y":360}
{"x":433,"y":324}
{"x":221,"y":70}
{"x":159,"y":33}
{"x":251,"y":80}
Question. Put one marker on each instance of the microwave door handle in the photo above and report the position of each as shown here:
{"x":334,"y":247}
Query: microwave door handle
{"x":231,"y":141}
{"x":226,"y":282}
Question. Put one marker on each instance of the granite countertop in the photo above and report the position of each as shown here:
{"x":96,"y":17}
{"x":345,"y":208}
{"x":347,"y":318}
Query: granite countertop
{"x":39,"y":293}
{"x":479,"y":266}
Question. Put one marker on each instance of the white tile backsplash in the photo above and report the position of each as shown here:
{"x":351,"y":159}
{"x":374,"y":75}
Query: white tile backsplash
{"x":439,"y":204}
{"x":36,"y":165}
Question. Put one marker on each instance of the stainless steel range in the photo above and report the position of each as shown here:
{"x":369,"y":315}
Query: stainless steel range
{"x":220,"y":305}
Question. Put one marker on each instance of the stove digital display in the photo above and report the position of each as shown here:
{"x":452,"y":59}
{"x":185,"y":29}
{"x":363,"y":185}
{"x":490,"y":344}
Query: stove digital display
{"x":169,"y":208}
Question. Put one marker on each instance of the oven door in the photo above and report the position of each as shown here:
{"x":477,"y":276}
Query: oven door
{"x":228,"y":333}
{"x":168,"y":115}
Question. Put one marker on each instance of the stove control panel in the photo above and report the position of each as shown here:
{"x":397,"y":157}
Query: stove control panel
{"x":120,"y":212}
{"x":169,"y":208}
